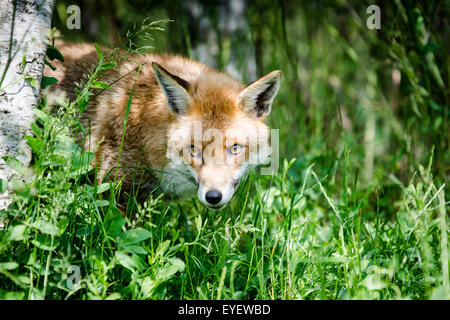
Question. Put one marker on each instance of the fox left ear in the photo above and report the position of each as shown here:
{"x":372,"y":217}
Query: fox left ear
{"x":257,"y":97}
{"x":174,"y":88}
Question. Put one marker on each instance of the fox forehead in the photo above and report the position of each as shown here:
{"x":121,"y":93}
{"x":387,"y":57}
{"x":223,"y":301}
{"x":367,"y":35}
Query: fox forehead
{"x":215,"y":99}
{"x":215,"y":106}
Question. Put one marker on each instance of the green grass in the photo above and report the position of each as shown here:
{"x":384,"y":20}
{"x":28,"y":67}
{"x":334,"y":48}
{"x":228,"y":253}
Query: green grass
{"x":281,"y":238}
{"x":357,"y":210}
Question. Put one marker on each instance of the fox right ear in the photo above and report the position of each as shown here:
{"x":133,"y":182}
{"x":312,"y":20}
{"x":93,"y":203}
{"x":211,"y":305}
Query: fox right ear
{"x":174,"y":88}
{"x":257,"y":97}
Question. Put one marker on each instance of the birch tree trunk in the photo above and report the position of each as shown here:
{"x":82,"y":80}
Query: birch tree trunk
{"x":23,"y":29}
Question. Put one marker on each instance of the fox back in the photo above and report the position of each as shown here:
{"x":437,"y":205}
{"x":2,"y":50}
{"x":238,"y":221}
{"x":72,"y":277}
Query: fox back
{"x":190,"y":129}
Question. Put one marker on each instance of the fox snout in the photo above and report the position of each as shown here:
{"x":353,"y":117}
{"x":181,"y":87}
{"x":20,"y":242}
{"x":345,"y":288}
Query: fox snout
{"x":217,"y":185}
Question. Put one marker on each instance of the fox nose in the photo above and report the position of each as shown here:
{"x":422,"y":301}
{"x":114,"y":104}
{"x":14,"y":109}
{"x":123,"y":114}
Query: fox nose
{"x":213,"y":196}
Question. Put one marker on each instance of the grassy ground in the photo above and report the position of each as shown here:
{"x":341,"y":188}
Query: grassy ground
{"x":357,"y":210}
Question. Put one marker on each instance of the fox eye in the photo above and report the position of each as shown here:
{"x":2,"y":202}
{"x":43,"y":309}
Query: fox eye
{"x":194,"y":151}
{"x":235,"y":149}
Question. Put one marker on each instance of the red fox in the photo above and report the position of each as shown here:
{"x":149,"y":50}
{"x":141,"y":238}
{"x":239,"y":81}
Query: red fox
{"x":190,"y":129}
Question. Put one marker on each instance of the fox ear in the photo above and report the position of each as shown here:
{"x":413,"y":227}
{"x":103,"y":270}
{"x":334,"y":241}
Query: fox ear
{"x":257,"y":97}
{"x":174,"y":88}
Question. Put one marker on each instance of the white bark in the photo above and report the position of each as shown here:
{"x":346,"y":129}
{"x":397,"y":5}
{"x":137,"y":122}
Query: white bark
{"x":23,"y":39}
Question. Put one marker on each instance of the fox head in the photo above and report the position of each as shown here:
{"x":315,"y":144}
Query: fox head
{"x":217,"y":133}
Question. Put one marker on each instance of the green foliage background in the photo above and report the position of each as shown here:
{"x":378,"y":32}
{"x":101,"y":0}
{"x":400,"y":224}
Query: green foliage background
{"x":360,"y":212}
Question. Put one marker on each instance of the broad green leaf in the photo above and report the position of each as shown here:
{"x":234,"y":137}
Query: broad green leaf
{"x":114,"y":296}
{"x":103,"y":187}
{"x":136,"y":249}
{"x":374,"y":282}
{"x":46,"y":227}
{"x":8,"y":265}
{"x":66,"y":147}
{"x":148,"y":287}
{"x":173,"y":266}
{"x":62,"y":224}
{"x":11,"y":295}
{"x":48,"y":81}
{"x":114,"y":221}
{"x":134,"y":236}
{"x":82,"y":160}
{"x":16,"y":165}
{"x":132,"y":262}
{"x":53,"y":53}
{"x":16,"y":233}
{"x":125,"y":260}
